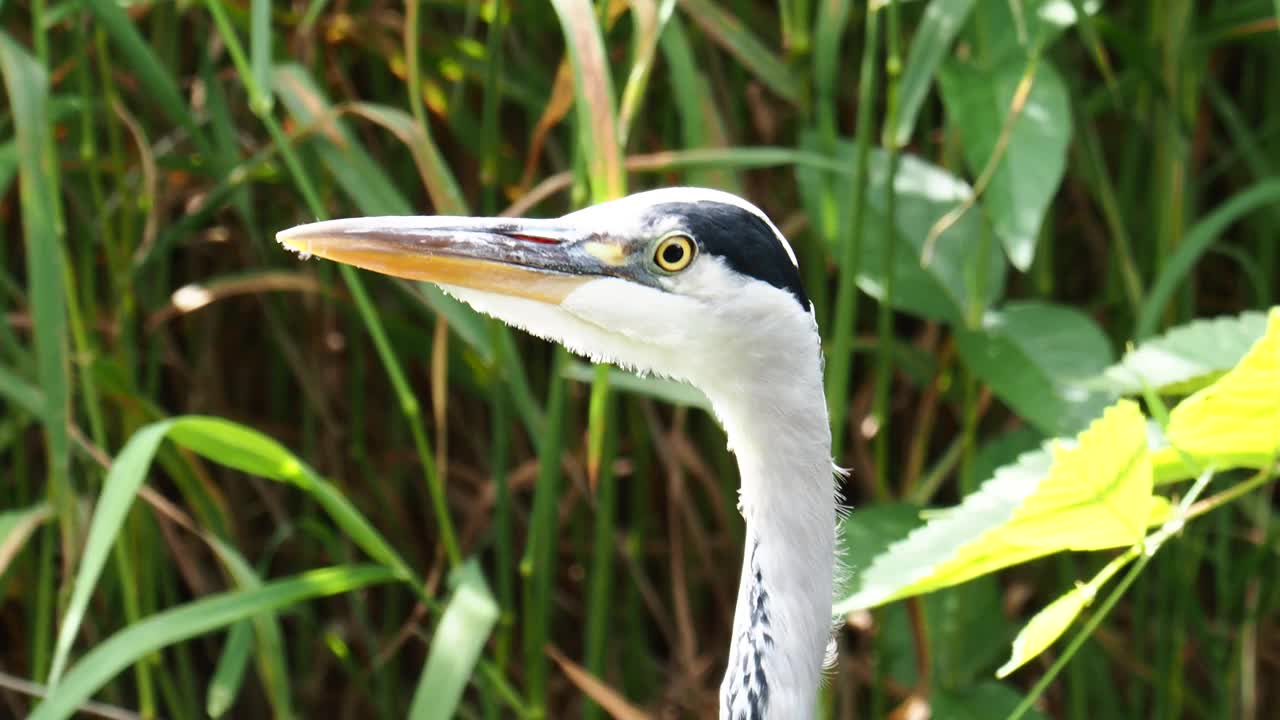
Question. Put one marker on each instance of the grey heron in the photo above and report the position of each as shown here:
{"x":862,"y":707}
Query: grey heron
{"x":692,"y":284}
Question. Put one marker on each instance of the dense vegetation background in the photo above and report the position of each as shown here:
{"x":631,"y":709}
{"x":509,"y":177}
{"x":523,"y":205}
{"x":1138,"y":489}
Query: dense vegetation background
{"x":1046,"y":179}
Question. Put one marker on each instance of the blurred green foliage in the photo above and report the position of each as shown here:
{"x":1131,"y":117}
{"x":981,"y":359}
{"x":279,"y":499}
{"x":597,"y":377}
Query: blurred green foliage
{"x":990,"y":199}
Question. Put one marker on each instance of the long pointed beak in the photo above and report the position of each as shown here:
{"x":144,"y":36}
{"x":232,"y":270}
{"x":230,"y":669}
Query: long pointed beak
{"x":541,"y":260}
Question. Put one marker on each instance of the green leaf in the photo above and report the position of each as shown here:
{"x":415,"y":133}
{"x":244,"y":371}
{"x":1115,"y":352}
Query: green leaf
{"x":1023,"y":27}
{"x":1187,"y":357}
{"x":933,"y":37}
{"x":1032,"y":151}
{"x":1039,"y":359}
{"x":943,"y":290}
{"x":1051,"y":622}
{"x":456,"y":645}
{"x":130,"y":645}
{"x":1235,"y":422}
{"x":236,"y":446}
{"x":1092,"y":496}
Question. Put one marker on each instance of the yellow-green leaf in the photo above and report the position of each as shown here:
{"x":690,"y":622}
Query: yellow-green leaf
{"x":1093,"y":495}
{"x":1048,"y":625}
{"x":1235,"y":422}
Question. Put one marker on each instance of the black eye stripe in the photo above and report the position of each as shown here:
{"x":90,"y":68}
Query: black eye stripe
{"x":746,"y":243}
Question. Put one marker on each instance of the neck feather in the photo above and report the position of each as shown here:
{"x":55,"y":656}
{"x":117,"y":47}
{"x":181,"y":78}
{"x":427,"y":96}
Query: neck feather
{"x":778,"y":429}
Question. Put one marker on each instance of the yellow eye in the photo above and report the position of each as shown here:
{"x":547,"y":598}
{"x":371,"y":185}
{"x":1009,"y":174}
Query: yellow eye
{"x":674,"y":253}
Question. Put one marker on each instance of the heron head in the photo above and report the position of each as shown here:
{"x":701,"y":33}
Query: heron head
{"x":683,"y":282}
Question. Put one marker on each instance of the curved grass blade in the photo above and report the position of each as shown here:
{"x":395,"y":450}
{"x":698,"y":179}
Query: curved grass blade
{"x":224,"y":442}
{"x":118,"y":490}
{"x":729,"y":32}
{"x":1194,"y":244}
{"x":196,"y":618}
{"x":456,"y":645}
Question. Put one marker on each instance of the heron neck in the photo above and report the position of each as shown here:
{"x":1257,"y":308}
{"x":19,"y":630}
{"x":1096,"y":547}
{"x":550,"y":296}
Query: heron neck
{"x":778,"y":429}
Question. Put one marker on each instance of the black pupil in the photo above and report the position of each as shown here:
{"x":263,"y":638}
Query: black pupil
{"x":673,"y":253}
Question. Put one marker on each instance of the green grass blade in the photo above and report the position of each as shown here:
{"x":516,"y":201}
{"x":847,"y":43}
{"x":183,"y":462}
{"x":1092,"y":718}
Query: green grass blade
{"x":260,"y":54}
{"x":246,"y":449}
{"x":27,"y":86}
{"x":193,"y":619}
{"x":157,"y":82}
{"x":1197,"y":241}
{"x":597,"y":116}
{"x":933,"y":37}
{"x":228,"y":675}
{"x":118,"y":490}
{"x":456,"y":645}
{"x":730,"y":33}
{"x":20,"y":392}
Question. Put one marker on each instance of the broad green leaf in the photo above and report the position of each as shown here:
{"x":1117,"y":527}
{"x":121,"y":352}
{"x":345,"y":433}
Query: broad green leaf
{"x":1093,"y":495}
{"x":943,"y":290}
{"x":1029,"y":155}
{"x":1235,"y":422}
{"x":933,"y":36}
{"x":16,"y":527}
{"x":130,"y":645}
{"x":1022,"y":27}
{"x":1187,"y":357}
{"x":456,"y":645}
{"x":1039,"y":358}
{"x":1051,"y":622}
{"x":669,"y":391}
